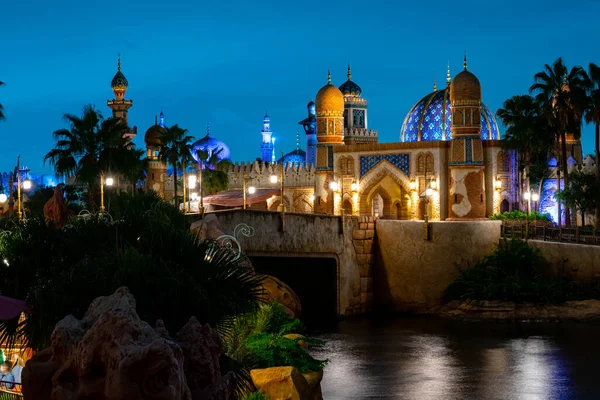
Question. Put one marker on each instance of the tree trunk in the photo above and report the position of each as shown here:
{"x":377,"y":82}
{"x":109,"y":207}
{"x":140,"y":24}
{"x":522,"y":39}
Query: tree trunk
{"x":597,"y":215}
{"x":175,"y":185}
{"x":563,"y":145}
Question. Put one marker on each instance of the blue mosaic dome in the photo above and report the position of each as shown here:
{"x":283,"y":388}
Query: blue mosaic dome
{"x":211,"y":144}
{"x":431,"y":119}
{"x":297,"y":157}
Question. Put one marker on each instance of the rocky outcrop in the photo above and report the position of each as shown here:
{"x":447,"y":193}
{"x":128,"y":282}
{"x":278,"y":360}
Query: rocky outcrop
{"x":275,"y":290}
{"x":111,"y":354}
{"x":586,"y":310}
{"x":287,"y":383}
{"x":56,"y":211}
{"x":207,"y":228}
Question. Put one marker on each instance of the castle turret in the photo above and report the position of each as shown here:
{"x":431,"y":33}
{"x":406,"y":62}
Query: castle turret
{"x":467,"y":198}
{"x":310,"y":128}
{"x":119,"y":105}
{"x":157,"y":168}
{"x":266,"y":147}
{"x":355,"y":114}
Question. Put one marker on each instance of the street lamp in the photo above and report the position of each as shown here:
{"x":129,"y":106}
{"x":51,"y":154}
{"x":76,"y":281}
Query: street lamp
{"x":535,"y":197}
{"x":273,"y":178}
{"x":249,"y":190}
{"x":412,"y":185}
{"x":338,"y":187}
{"x":498,"y":184}
{"x":527,"y":197}
{"x":3,"y":198}
{"x":104,"y":181}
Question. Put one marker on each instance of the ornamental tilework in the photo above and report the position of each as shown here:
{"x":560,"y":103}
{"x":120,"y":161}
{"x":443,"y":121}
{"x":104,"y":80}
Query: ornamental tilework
{"x":401,"y":161}
{"x":322,"y":157}
{"x":469,"y":150}
{"x":477,"y":151}
{"x":458,"y":151}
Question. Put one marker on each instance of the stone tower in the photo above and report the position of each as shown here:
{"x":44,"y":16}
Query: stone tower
{"x":310,"y":128}
{"x":466,"y":198}
{"x":330,"y":132}
{"x":266,"y":147}
{"x":119,"y":105}
{"x":355,"y":114}
{"x":157,"y":169}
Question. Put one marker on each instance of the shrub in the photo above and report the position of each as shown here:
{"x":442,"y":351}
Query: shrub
{"x":513,"y":272}
{"x":255,"y":396}
{"x":517,"y":216}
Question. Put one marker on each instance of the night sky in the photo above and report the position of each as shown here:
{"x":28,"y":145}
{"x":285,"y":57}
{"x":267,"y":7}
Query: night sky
{"x":227,"y":62}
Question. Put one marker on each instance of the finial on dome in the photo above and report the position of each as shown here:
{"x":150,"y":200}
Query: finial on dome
{"x":465,"y":61}
{"x":434,"y":86}
{"x":156,"y":120}
{"x":329,"y":77}
{"x":297,"y":141}
{"x":119,"y":61}
{"x":349,"y":72}
{"x":448,"y":79}
{"x":208,"y":129}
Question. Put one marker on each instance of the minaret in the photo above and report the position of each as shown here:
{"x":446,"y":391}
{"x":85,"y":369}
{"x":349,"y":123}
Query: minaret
{"x":266,"y":147}
{"x":356,"y":127}
{"x":119,"y":105}
{"x":157,"y":168}
{"x":310,"y":128}
{"x":467,"y":198}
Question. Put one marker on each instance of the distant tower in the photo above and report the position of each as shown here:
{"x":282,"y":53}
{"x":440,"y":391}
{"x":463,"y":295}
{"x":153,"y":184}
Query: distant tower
{"x":310,"y":128}
{"x":467,"y":197}
{"x":266,"y":147}
{"x":355,"y":114}
{"x":273,"y":150}
{"x":157,"y":168}
{"x":119,"y":105}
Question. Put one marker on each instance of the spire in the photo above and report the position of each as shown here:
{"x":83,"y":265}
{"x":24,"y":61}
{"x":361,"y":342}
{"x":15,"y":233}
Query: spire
{"x":297,"y":141}
{"x":448,"y":80}
{"x":465,"y":61}
{"x":329,"y":77}
{"x":349,"y":72}
{"x":161,"y":118}
{"x":208,"y":129}
{"x":156,"y":120}
{"x":434,"y":86}
{"x":119,"y":61}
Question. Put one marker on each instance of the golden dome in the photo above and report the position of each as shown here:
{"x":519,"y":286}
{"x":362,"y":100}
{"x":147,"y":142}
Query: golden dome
{"x":465,"y":86}
{"x":329,"y":98}
{"x":154,"y":135}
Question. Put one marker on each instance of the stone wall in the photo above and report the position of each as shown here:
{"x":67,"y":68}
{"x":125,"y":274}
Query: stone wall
{"x":363,"y":237}
{"x":579,"y":261}
{"x":410,"y":273}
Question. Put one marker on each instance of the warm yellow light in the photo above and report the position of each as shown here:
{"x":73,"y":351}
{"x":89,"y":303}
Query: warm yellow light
{"x":273,"y":178}
{"x":194,"y":195}
{"x":3,"y":198}
{"x":433,"y":184}
{"x":498,"y":184}
{"x":333,"y":185}
{"x":413,"y":185}
{"x":251,"y":190}
{"x":312,"y":198}
{"x":354,"y":186}
{"x":429,"y":192}
{"x":26,"y":184}
{"x":526,"y":195}
{"x":192,"y":181}
{"x":109,"y":181}
{"x":535,"y":197}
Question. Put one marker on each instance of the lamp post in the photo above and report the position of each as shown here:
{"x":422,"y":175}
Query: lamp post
{"x":535,"y":198}
{"x":428,"y":193}
{"x":527,"y":197}
{"x":26,"y":184}
{"x":249,"y":190}
{"x":191,"y":184}
{"x":104,"y":181}
{"x":339,"y":188}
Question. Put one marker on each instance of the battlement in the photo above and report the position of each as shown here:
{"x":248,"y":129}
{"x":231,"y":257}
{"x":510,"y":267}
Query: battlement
{"x":362,"y":132}
{"x":355,"y":101}
{"x":258,"y":174}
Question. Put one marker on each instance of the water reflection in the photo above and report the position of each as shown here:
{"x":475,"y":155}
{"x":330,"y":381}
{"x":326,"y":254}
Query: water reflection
{"x":429,"y":358}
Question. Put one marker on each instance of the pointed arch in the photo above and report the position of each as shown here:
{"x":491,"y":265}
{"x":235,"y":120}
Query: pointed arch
{"x":371,"y":184}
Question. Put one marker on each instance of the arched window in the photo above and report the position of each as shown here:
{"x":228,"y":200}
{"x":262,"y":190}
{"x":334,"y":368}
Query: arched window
{"x":350,"y":166}
{"x":503,"y":161}
{"x":342,"y":165}
{"x":424,"y":163}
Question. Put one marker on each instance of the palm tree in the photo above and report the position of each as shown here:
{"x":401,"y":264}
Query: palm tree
{"x":1,"y":108}
{"x":175,"y":148}
{"x":525,"y":133}
{"x":592,"y":115}
{"x":214,"y":177}
{"x":90,"y":146}
{"x":136,"y":166}
{"x":561,"y":92}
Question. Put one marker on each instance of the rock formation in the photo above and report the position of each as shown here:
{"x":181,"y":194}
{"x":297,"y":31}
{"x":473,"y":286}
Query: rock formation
{"x":55,"y":210}
{"x":112,"y":354}
{"x":276,"y":290}
{"x":207,"y":228}
{"x":288,"y":383}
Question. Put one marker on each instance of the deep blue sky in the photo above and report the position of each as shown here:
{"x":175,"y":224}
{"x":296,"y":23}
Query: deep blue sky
{"x":227,"y":62}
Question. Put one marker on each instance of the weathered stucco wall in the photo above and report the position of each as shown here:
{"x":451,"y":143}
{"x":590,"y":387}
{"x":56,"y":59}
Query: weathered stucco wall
{"x":410,"y":273}
{"x":309,"y":235}
{"x":579,"y":261}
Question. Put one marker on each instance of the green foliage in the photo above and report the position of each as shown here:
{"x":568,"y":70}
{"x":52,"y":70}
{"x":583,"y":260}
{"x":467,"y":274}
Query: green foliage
{"x":520,"y":216}
{"x":270,"y":350}
{"x":582,"y":192}
{"x":255,"y":396}
{"x":175,"y":149}
{"x":214,"y":171}
{"x":513,"y":272}
{"x":146,"y":248}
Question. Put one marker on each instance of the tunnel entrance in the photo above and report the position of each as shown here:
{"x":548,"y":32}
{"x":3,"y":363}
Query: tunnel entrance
{"x":314,"y":280}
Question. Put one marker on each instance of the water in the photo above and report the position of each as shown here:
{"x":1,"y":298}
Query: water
{"x":431,"y":358}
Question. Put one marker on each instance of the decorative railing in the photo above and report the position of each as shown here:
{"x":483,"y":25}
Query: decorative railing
{"x":10,"y":391}
{"x":552,"y":234}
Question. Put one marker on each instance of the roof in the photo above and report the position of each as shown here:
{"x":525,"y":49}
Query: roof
{"x":235,"y":197}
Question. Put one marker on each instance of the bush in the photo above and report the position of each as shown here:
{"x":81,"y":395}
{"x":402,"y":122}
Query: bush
{"x":255,"y":396}
{"x":517,"y":216}
{"x":513,"y":272}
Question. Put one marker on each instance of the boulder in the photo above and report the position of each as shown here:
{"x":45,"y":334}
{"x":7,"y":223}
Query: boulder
{"x":281,"y":383}
{"x":298,"y":338}
{"x":55,"y":210}
{"x":276,"y":290}
{"x":314,"y":378}
{"x":207,"y":228}
{"x":112,"y":354}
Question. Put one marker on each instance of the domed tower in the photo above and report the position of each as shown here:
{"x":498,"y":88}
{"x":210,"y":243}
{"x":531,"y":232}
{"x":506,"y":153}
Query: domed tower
{"x":467,"y":187}
{"x":355,"y":114}
{"x":119,"y":105}
{"x":157,"y":169}
{"x":310,"y":128}
{"x":266,"y":147}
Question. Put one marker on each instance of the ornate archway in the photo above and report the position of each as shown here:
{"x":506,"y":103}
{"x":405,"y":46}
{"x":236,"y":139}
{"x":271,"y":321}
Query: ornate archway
{"x":373,"y":182}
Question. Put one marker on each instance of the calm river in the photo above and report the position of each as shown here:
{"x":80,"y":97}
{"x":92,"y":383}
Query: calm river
{"x":430,"y":358}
